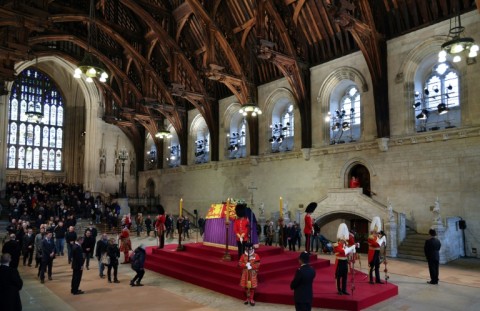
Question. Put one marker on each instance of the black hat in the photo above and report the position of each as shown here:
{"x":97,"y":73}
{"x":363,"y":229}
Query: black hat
{"x":304,"y":257}
{"x":311,"y":207}
{"x":241,"y":210}
{"x":160,"y":209}
{"x":432,"y":232}
{"x":248,"y":245}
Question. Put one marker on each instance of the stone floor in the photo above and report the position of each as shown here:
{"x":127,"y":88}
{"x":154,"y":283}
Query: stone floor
{"x":459,"y":289}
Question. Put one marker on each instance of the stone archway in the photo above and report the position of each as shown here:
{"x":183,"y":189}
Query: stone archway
{"x":354,"y":208}
{"x":361,"y":173}
{"x":329,"y":224}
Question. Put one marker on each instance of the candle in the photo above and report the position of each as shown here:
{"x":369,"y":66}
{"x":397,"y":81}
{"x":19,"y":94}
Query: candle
{"x":227,"y":211}
{"x":181,"y":207}
{"x":281,"y":207}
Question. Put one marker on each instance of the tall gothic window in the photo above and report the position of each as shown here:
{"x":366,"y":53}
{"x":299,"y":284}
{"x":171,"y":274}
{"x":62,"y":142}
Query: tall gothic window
{"x":35,"y":142}
{"x":282,"y":126}
{"x":344,"y":115}
{"x":437,"y":105}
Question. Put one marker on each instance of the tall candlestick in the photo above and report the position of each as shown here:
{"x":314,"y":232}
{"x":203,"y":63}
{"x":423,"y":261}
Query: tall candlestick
{"x":281,"y":207}
{"x":227,"y":211}
{"x":181,"y":207}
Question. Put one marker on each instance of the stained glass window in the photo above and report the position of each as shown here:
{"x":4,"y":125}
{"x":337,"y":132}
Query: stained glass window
{"x":34,"y":90}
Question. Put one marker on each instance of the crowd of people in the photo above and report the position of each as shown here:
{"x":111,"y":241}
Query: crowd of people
{"x":43,"y":222}
{"x":43,"y":228}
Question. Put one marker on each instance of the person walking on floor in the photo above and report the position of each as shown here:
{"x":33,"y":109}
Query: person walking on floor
{"x":88,"y":245}
{"x":113,"y":253}
{"x":125,"y":244}
{"x":100,"y":250}
{"x":302,"y":284}
{"x":48,"y":254}
{"x":28,"y":247}
{"x":77,"y":266}
{"x":70,"y":238}
{"x":138,"y":262}
{"x":432,"y":252}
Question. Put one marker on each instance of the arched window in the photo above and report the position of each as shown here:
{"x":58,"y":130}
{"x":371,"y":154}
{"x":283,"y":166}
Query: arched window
{"x":35,"y":141}
{"x":202,"y":147}
{"x":174,"y":153}
{"x":282,"y":126}
{"x":437,"y":104}
{"x":236,"y":139}
{"x":344,"y":115}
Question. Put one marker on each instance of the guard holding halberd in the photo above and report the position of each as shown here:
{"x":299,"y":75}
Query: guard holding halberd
{"x":342,"y":250}
{"x":375,"y":241}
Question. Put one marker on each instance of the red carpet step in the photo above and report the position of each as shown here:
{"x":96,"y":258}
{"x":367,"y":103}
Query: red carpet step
{"x":203,"y":266}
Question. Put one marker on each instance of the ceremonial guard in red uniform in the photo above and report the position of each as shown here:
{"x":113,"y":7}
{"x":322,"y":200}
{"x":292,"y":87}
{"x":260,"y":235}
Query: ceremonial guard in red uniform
{"x":308,"y":230}
{"x":241,"y":228}
{"x":125,"y":244}
{"x":308,"y":227}
{"x":249,"y":262}
{"x":160,"y":226}
{"x":354,"y":182}
{"x":374,"y":244}
{"x":342,"y":249}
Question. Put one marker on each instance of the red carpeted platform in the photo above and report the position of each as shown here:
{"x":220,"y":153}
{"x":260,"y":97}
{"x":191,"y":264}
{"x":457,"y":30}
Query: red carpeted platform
{"x":203,"y":266}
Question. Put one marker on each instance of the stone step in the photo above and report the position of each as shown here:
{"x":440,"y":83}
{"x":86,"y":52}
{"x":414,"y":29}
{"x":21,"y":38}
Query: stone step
{"x":412,"y":246}
{"x":410,"y":249}
{"x":412,"y":257}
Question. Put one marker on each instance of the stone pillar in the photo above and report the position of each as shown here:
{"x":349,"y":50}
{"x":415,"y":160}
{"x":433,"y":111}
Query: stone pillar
{"x":440,"y":228}
{"x":392,"y":243}
{"x":402,"y":227}
{"x":124,"y":208}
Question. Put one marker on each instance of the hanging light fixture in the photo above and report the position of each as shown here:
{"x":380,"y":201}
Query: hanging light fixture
{"x":458,"y":45}
{"x":251,"y":109}
{"x":90,"y":67}
{"x":162,"y":132}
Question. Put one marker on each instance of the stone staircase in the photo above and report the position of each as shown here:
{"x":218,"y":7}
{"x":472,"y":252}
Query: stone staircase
{"x":412,"y":246}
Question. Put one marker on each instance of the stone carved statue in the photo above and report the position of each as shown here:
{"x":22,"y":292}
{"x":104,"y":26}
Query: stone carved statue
{"x":436,"y":212}
{"x":102,"y":165}
{"x":262,"y":209}
{"x":285,"y":208}
{"x":391,"y":216}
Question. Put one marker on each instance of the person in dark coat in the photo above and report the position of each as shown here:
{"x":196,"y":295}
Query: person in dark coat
{"x":10,"y":285}
{"x":77,"y":266}
{"x":88,"y":245}
{"x":432,"y":249}
{"x":302,"y":284}
{"x":28,"y":247}
{"x":48,"y":254}
{"x":138,"y":262}
{"x":100,"y":249}
{"x":12,"y":247}
{"x":113,"y":252}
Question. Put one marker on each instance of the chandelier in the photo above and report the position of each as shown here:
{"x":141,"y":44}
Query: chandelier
{"x":162,"y":132}
{"x":251,"y":109}
{"x":90,"y":67}
{"x":458,"y":45}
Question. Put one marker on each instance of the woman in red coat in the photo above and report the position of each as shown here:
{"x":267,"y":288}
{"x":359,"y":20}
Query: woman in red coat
{"x":249,"y":262}
{"x":125,"y":244}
